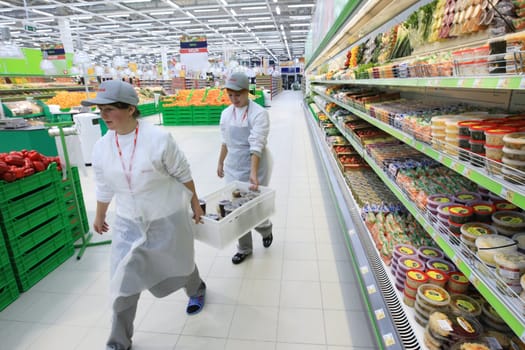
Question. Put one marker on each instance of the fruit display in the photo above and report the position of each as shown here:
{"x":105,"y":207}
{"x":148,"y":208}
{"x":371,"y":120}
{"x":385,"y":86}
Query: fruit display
{"x":69,"y":99}
{"x":19,"y":164}
{"x":22,"y":108}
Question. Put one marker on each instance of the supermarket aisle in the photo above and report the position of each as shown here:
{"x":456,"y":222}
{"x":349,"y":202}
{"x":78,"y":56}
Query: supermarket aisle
{"x":298,"y":294}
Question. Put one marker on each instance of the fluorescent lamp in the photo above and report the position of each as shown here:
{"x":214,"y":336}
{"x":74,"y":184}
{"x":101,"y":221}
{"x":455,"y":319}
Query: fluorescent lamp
{"x":233,"y":12}
{"x":180,"y":22}
{"x":167,"y":12}
{"x":299,"y":31}
{"x":111,"y":26}
{"x":43,"y":20}
{"x":217,"y":20}
{"x":278,"y":10}
{"x":42,"y":13}
{"x":44,"y":30}
{"x":83,"y":17}
{"x":135,"y":1}
{"x":263,"y":26}
{"x":254,"y":8}
{"x":189,"y":14}
{"x":300,"y":24}
{"x":253,"y":19}
{"x":300,"y":17}
{"x":78,"y":28}
{"x":282,"y":27}
{"x":117,"y":15}
{"x":206,"y":10}
{"x":141,"y":24}
{"x":301,"y":5}
{"x":224,"y":2}
{"x":228,"y":28}
{"x":7,"y":23}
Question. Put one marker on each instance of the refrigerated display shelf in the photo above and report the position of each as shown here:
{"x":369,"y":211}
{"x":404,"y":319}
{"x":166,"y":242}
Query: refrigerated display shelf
{"x":392,"y":328}
{"x":516,"y":82}
{"x":509,"y":307}
{"x":511,"y":192}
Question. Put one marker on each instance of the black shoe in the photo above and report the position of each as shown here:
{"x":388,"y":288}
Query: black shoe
{"x":239,"y":258}
{"x":268,"y":241}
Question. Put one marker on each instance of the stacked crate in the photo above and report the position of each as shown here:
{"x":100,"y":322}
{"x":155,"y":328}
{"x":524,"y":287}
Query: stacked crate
{"x":8,"y":287}
{"x":75,"y":208}
{"x":147,"y":109}
{"x":34,"y":226}
{"x":177,"y":115}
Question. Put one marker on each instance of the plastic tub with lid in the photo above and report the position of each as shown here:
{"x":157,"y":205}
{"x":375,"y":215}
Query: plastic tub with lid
{"x":464,"y":126}
{"x":510,"y":267}
{"x":483,"y":210}
{"x":494,"y":137}
{"x":464,"y":305}
{"x":509,"y":222}
{"x":408,"y":290}
{"x":502,"y":204}
{"x":490,"y":245}
{"x":472,"y":230}
{"x":451,"y":328}
{"x":520,"y":240}
{"x":426,"y":253}
{"x":432,"y":296}
{"x":457,"y":283}
{"x":513,"y":154}
{"x":515,"y":140}
{"x":409,"y":263}
{"x":437,"y":277}
{"x":477,"y":131}
{"x":513,"y":172}
{"x":401,"y":250}
{"x":454,"y":228}
{"x":460,"y":214}
{"x":415,"y":278}
{"x":466,"y":197}
{"x":435,"y":200}
{"x":494,"y":152}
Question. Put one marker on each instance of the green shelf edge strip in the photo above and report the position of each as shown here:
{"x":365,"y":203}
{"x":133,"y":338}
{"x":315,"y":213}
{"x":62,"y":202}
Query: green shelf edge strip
{"x":511,"y":319}
{"x":492,"y":185}
{"x":483,"y":82}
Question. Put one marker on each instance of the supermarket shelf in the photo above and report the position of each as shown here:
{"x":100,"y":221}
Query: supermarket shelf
{"x":49,"y":88}
{"x":392,"y":328}
{"x":511,"y":82}
{"x":509,"y":307}
{"x":513,"y":193}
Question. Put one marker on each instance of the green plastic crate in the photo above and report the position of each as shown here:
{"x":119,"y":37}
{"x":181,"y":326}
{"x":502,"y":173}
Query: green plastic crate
{"x":147,"y":109}
{"x":20,"y":205}
{"x":4,"y":256}
{"x":36,"y":273}
{"x":41,"y":251}
{"x":8,"y":287}
{"x":39,"y":234}
{"x":17,"y":227}
{"x":18,"y":188}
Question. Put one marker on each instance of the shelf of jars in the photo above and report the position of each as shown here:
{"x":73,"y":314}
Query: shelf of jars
{"x":484,"y":278}
{"x":514,"y":191}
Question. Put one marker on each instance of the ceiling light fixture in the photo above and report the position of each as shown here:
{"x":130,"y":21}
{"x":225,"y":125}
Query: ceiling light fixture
{"x":141,"y":24}
{"x":217,"y":20}
{"x":253,"y":19}
{"x":278,"y":10}
{"x":224,"y":2}
{"x":179,"y":22}
{"x":82,"y":17}
{"x":301,"y":5}
{"x":44,"y":30}
{"x":233,"y":12}
{"x":135,"y":1}
{"x":7,"y":23}
{"x":43,"y":13}
{"x":43,"y":20}
{"x":117,"y":15}
{"x":300,"y":24}
{"x":167,"y":12}
{"x":263,"y":26}
{"x":299,"y":31}
{"x":228,"y":28}
{"x":111,"y":26}
{"x":189,"y":14}
{"x":254,"y":8}
{"x":206,"y":10}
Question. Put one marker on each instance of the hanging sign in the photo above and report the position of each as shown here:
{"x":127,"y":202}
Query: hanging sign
{"x":54,"y":51}
{"x":194,"y":52}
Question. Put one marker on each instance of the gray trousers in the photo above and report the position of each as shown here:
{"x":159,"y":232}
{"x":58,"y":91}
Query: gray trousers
{"x":122,"y":323}
{"x":245,"y":243}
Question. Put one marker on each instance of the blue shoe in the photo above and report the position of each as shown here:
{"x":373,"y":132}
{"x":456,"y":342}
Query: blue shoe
{"x":195,"y":305}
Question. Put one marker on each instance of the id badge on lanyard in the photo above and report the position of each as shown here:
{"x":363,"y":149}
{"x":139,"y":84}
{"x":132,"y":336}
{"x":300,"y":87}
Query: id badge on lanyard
{"x":127,"y":171}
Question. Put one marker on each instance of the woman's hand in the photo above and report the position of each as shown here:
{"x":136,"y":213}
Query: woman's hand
{"x":197,"y":212}
{"x":100,"y":225}
{"x":220,"y":170}
{"x":254,"y":181}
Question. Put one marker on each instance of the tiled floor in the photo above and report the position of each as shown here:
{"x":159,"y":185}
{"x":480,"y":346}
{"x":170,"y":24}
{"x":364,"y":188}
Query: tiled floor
{"x":300,"y":294}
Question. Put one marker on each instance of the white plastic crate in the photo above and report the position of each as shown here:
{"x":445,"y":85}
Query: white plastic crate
{"x":220,"y":233}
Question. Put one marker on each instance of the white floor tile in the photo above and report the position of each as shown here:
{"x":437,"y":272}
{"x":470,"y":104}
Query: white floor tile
{"x":289,"y":346}
{"x":222,"y":290}
{"x":154,"y":341}
{"x":199,"y":343}
{"x":264,"y":268}
{"x":234,"y":344}
{"x":254,"y":323}
{"x":331,"y":252}
{"x":164,"y":317}
{"x":84,"y":312}
{"x":20,"y":335}
{"x":300,"y":251}
{"x":301,"y":325}
{"x":348,"y":328}
{"x":336,"y":271}
{"x":223,"y":268}
{"x":213,"y":321}
{"x":301,"y":294}
{"x":341,"y":296}
{"x":260,"y":292}
{"x":300,"y":270}
{"x":57,"y":337}
{"x":95,"y":338}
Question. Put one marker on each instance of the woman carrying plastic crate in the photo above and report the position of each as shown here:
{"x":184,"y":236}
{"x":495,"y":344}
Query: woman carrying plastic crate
{"x":243,"y":156}
{"x":141,"y":166}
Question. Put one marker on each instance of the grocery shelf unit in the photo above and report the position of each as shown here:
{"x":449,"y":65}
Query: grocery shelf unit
{"x":500,"y":91}
{"x":271,"y":83}
{"x":167,"y":85}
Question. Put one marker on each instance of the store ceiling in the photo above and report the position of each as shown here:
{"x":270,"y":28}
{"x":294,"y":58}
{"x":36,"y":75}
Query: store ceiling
{"x":276,"y":29}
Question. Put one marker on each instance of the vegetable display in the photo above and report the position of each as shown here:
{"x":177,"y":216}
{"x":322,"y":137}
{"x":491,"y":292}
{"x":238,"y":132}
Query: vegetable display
{"x":19,"y":164}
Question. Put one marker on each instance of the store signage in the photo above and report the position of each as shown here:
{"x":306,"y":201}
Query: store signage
{"x":29,"y":28}
{"x":194,"y":53}
{"x":54,"y":51}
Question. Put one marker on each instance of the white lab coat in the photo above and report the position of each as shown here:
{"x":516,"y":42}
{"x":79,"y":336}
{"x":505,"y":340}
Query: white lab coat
{"x":152,"y":236}
{"x":243,"y":137}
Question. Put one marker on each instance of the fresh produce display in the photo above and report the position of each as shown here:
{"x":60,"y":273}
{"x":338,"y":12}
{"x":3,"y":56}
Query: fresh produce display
{"x":22,"y":108}
{"x":18,"y":164}
{"x":147,"y":94}
{"x":198,"y":97}
{"x":69,"y":99}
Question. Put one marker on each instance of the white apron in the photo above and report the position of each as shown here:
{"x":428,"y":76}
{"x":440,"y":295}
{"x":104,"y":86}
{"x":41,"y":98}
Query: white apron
{"x":237,"y":164}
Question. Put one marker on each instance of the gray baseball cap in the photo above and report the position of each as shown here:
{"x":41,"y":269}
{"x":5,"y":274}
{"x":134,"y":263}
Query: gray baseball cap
{"x":112,"y":91}
{"x":237,"y":82}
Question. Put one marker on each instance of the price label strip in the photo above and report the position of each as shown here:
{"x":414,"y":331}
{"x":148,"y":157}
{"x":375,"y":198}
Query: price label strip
{"x":380,"y":314}
{"x":364,"y":270}
{"x":371,"y":289}
{"x":389,"y":339}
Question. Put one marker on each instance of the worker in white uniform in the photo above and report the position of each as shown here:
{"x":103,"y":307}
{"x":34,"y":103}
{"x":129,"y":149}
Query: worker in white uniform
{"x":140,"y":166}
{"x":244,"y":156}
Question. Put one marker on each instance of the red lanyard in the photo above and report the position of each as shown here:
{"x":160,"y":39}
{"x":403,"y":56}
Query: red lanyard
{"x":127,"y":173}
{"x":245,"y":114}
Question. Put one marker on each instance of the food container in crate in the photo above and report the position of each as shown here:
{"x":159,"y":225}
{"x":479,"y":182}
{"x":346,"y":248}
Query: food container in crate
{"x":219,"y":233}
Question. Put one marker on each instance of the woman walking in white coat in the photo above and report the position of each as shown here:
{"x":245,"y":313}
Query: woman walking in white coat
{"x":243,"y":156}
{"x":140,"y":165}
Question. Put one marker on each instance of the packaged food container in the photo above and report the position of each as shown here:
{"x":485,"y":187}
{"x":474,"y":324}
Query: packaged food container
{"x":466,"y":197}
{"x":471,"y":246}
{"x":515,"y":140}
{"x":476,"y":344}
{"x":440,"y":264}
{"x":494,"y":137}
{"x":454,"y":228}
{"x":478,"y":159}
{"x":509,"y":223}
{"x":437,"y":199}
{"x":519,"y":238}
{"x":477,"y":131}
{"x":472,"y":230}
{"x":489,"y":245}
{"x":424,"y":311}
{"x":401,"y":250}
{"x":460,"y":214}
{"x":488,"y":312}
{"x":502,"y":204}
{"x":437,"y":277}
{"x":443,"y":210}
{"x":426,"y":253}
{"x":513,"y":154}
{"x":415,"y":278}
{"x":433,"y":296}
{"x":464,"y":127}
{"x":482,"y":211}
{"x":412,"y":292}
{"x":477,"y":146}
{"x":510,"y":267}
{"x":409,"y":263}
{"x":494,"y":152}
{"x":457,"y":283}
{"x":464,"y":305}
{"x":409,"y":300}
{"x":512,"y":172}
